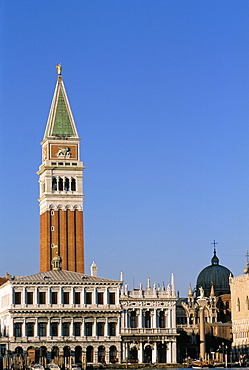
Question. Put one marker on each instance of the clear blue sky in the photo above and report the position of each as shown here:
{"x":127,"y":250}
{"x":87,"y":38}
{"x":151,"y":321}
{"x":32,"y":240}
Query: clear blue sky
{"x":160,"y":95}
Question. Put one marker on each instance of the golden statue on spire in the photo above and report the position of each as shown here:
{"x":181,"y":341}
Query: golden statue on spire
{"x":59,"y":69}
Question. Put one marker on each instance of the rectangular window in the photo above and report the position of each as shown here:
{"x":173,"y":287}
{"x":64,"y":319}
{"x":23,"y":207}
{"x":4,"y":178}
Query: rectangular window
{"x":54,"y":329}
{"x":100,"y":329}
{"x":30,"y":329}
{"x":133,"y":319}
{"x":66,"y":297}
{"x":88,"y":329}
{"x":54,"y":297}
{"x":111,"y":298}
{"x":88,"y":297}
{"x":42,"y":329}
{"x":112,"y":329}
{"x":147,"y":320}
{"x":65,"y":329}
{"x":18,"y":297}
{"x":100,"y":298}
{"x":77,"y":329}
{"x":18,"y":329}
{"x":161,"y":320}
{"x":77,"y":298}
{"x":42,"y":297}
{"x":30,"y":297}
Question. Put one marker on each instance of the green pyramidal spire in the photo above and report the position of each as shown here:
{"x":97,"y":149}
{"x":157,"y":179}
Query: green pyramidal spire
{"x":60,"y":120}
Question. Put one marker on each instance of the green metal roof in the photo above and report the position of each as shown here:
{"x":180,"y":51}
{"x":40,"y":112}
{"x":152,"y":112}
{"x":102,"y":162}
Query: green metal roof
{"x":62,"y":123}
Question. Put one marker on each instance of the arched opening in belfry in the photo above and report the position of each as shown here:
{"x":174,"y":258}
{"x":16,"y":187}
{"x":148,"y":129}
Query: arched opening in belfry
{"x":67,"y":185}
{"x":60,"y":184}
{"x":54,"y":183}
{"x":73,"y":184}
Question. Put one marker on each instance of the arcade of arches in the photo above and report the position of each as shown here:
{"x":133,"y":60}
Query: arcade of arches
{"x":66,"y":355}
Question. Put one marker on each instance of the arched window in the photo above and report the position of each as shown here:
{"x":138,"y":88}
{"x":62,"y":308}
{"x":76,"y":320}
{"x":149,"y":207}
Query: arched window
{"x":89,"y":354}
{"x":113,"y":354}
{"x":101,"y":354}
{"x":54,"y":352}
{"x":78,"y":354}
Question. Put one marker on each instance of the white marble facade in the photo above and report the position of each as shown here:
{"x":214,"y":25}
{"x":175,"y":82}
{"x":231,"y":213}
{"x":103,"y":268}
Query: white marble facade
{"x":68,"y":317}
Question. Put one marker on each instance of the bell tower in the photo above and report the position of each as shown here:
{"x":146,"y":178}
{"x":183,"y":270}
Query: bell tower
{"x":61,"y":187}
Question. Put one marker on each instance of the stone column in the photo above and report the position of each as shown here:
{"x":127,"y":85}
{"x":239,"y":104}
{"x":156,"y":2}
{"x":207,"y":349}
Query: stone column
{"x":49,"y":328}
{"x":94,"y":327}
{"x":24,"y":298}
{"x":169,"y":352}
{"x":95,"y":355}
{"x":140,"y":318}
{"x":49,"y":296}
{"x":71,"y":296}
{"x":202,"y":333}
{"x":71,"y":331}
{"x":36,"y":297}
{"x":106,"y":296}
{"x":118,"y":327}
{"x":107,"y":355}
{"x":173,"y":359}
{"x":83,"y":328}
{"x":140,"y":353}
{"x":202,"y":301}
{"x":154,"y":325}
{"x":154,"y":352}
{"x":106,"y":327}
{"x":36,"y":327}
{"x":94,"y":295}
{"x":60,"y":328}
{"x":83,"y":299}
{"x":60,"y":297}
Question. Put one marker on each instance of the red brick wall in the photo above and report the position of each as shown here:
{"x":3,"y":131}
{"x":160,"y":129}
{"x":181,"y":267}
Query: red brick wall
{"x":67,"y":235}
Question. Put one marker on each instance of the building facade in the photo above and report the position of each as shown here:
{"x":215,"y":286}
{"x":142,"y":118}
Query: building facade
{"x":67,"y":317}
{"x":240,"y":315}
{"x":62,"y":316}
{"x":148,"y":324}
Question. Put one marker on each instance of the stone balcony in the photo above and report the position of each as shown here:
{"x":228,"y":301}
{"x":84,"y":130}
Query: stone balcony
{"x":148,"y":331}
